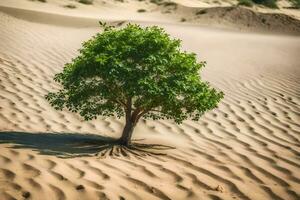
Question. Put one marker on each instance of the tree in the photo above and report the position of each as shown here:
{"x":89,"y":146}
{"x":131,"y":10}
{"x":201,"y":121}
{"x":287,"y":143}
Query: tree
{"x":134,"y":72}
{"x":268,"y":3}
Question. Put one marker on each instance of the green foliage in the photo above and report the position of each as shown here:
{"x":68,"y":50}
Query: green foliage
{"x":88,"y":2}
{"x":268,"y":3}
{"x":163,"y":3}
{"x":136,"y":70}
{"x":43,"y":1}
{"x":71,"y":6}
{"x":248,"y":3}
{"x":201,"y":12}
{"x":158,"y":2}
{"x":141,"y":10}
{"x":169,"y":4}
{"x":296,"y":4}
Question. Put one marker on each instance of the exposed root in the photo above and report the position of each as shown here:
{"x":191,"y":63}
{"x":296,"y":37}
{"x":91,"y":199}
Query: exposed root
{"x":137,"y":150}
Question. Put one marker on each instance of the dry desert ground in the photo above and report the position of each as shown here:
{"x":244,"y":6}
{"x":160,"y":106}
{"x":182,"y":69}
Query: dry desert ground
{"x":248,"y":148}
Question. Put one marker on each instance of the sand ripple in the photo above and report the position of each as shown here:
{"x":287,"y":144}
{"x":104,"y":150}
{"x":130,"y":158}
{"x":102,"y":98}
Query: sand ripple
{"x":249,"y":147}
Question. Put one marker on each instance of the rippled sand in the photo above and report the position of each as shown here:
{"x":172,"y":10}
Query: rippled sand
{"x":248,"y":148}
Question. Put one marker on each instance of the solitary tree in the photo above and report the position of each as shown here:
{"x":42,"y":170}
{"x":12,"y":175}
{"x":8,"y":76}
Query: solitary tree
{"x":134,"y":72}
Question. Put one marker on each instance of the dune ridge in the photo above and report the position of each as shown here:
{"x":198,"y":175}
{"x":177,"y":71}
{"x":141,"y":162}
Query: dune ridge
{"x":223,"y":17}
{"x":248,"y":148}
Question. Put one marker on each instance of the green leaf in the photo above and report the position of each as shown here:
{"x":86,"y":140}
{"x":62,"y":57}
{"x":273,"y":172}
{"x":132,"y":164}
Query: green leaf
{"x":143,"y":68}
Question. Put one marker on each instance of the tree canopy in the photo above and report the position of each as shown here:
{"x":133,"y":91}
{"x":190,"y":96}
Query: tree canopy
{"x":137,"y":72}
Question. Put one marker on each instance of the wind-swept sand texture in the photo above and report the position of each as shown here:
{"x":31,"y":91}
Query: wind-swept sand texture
{"x":248,"y":148}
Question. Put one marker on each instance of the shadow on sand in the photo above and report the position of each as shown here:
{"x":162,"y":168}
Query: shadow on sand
{"x":67,"y":145}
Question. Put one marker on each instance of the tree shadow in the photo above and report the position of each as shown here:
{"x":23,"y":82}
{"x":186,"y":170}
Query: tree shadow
{"x":68,"y":145}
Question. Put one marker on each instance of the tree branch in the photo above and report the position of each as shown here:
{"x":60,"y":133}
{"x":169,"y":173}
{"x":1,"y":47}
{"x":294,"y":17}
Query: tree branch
{"x":142,"y":113}
{"x":127,"y":110}
{"x":154,"y":110}
{"x":120,"y":102}
{"x":135,"y":114}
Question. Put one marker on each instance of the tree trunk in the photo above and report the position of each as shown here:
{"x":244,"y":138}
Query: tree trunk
{"x":131,"y":120}
{"x":125,"y":139}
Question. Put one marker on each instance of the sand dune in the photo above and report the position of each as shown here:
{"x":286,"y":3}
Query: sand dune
{"x":248,"y":148}
{"x":220,"y":14}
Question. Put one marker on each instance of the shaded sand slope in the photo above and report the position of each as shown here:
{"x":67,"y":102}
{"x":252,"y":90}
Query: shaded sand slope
{"x":221,"y":14}
{"x":249,"y":146}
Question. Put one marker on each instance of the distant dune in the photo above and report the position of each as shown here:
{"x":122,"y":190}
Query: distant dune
{"x":247,"y":148}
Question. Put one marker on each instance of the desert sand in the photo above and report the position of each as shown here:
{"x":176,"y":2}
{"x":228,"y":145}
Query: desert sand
{"x":248,"y":148}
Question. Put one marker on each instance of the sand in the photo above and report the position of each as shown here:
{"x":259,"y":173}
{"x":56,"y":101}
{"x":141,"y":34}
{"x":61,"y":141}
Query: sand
{"x":247,"y":148}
